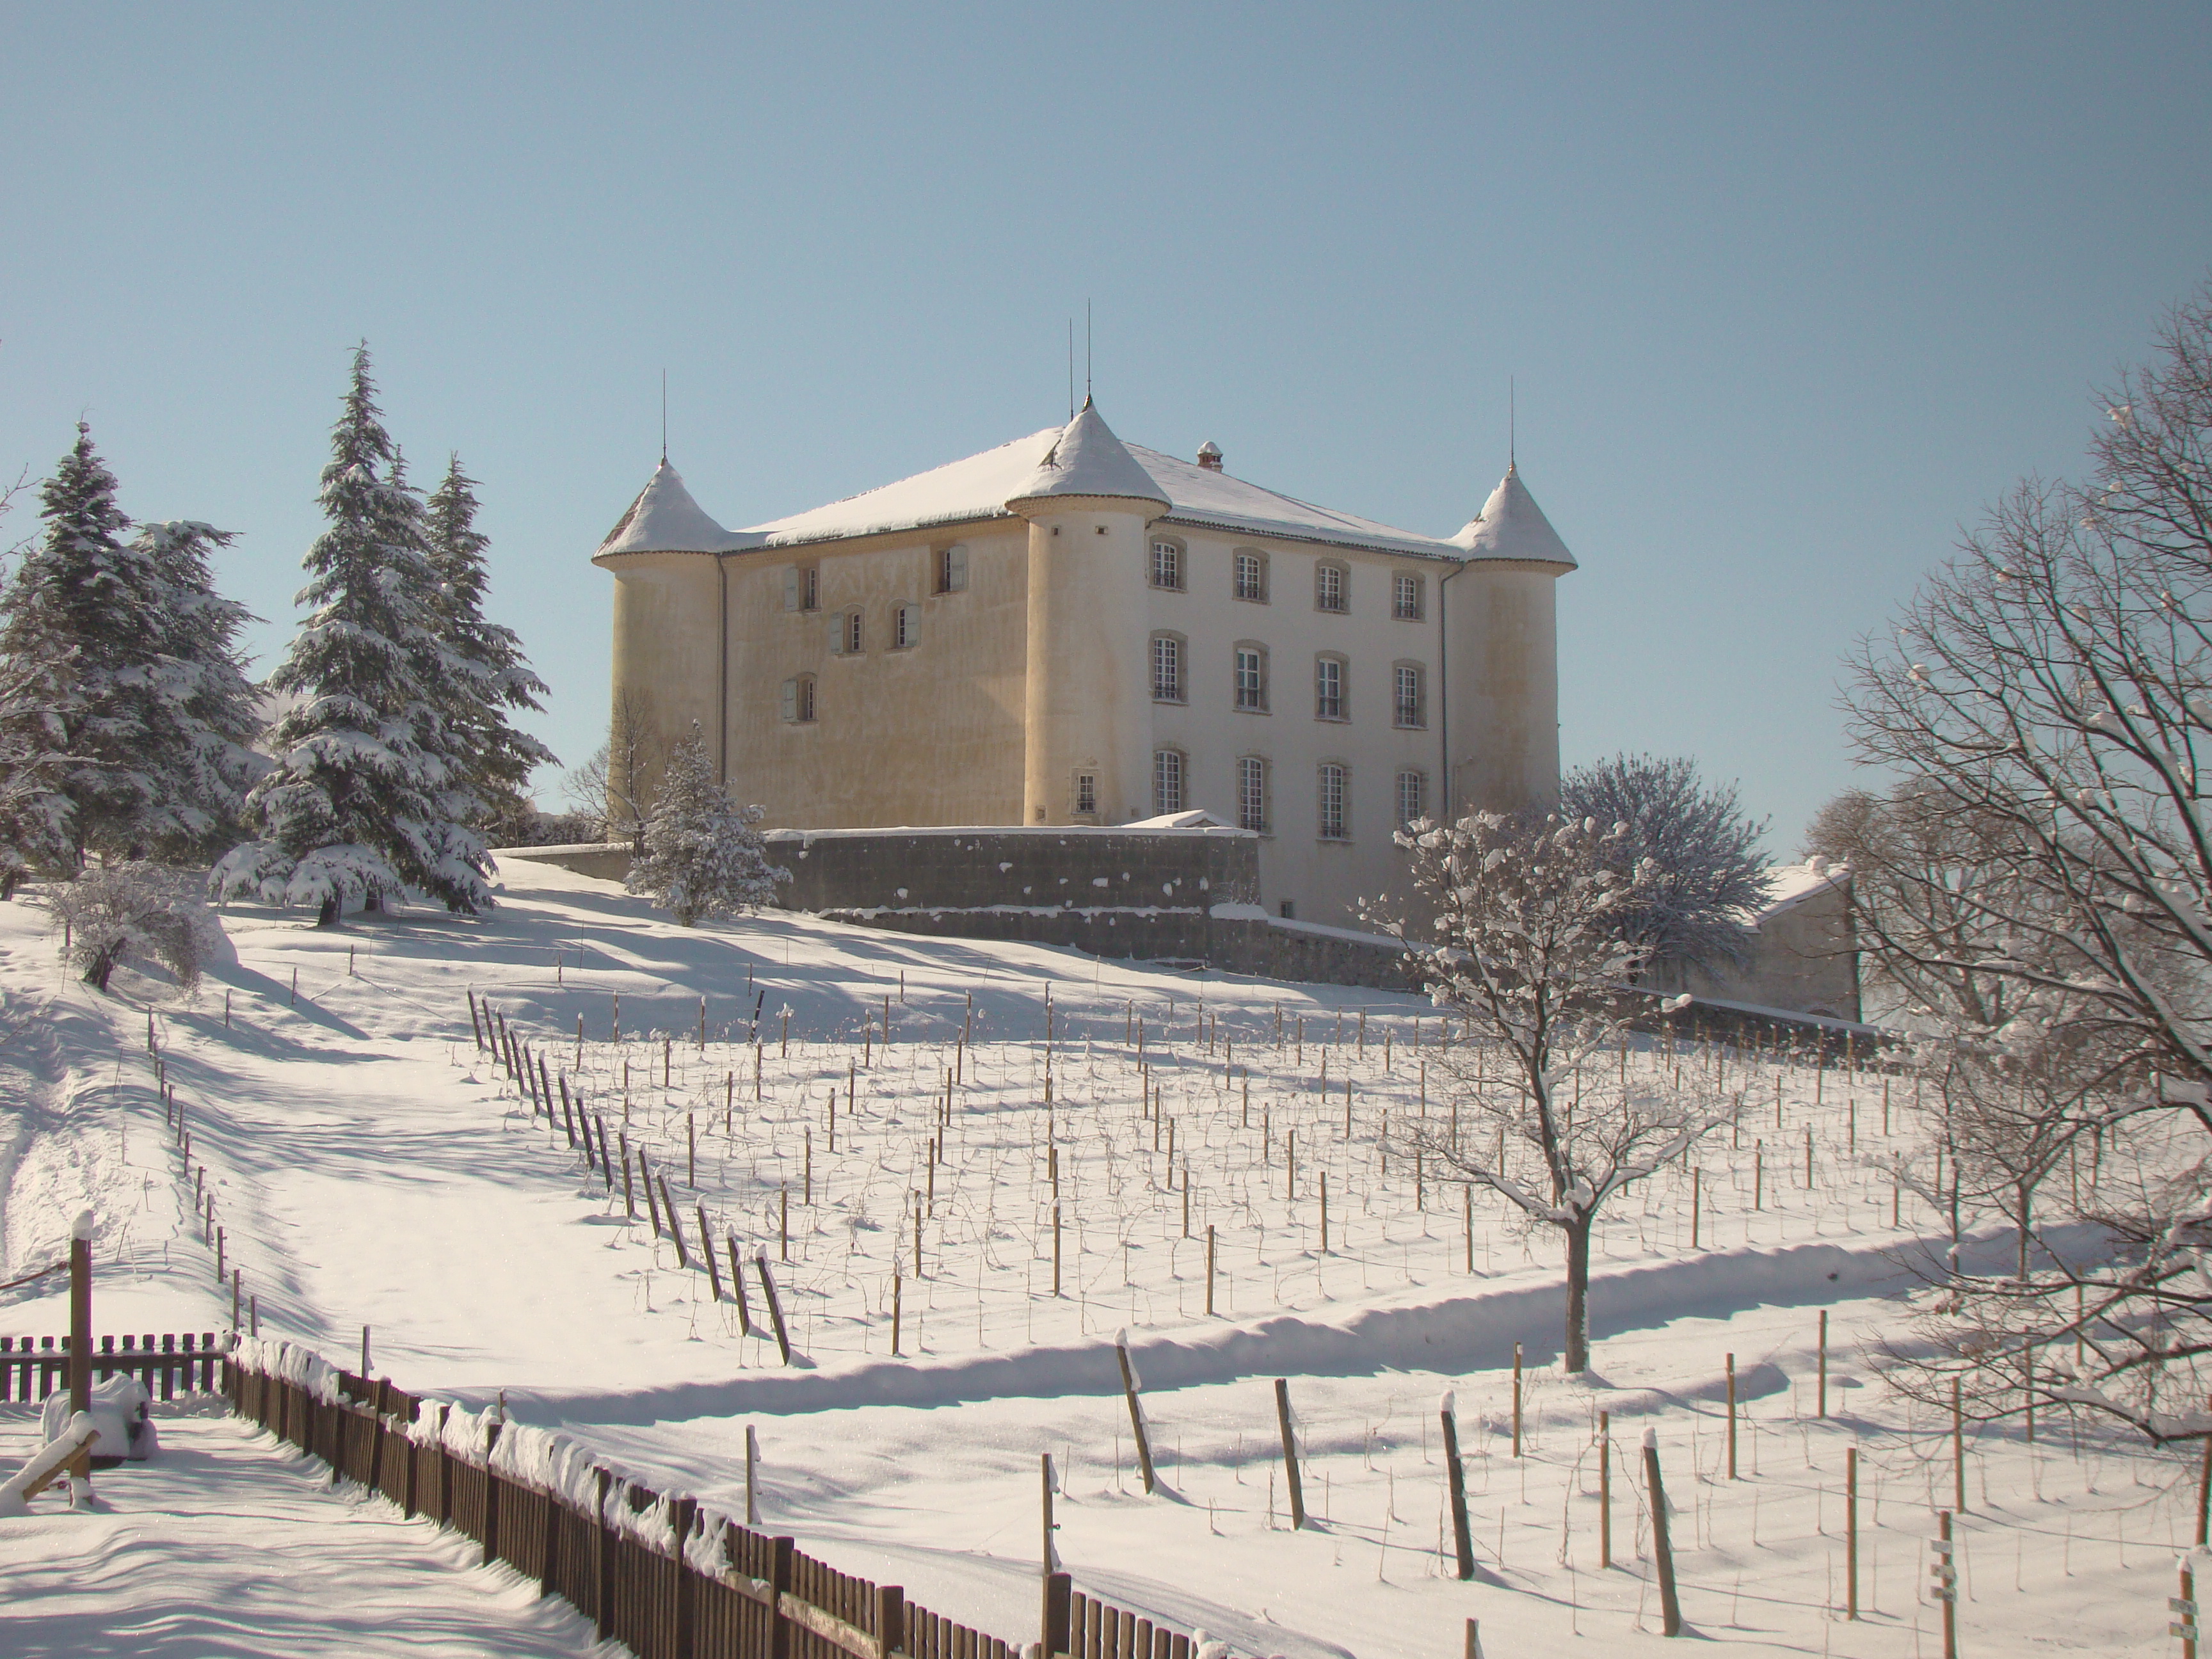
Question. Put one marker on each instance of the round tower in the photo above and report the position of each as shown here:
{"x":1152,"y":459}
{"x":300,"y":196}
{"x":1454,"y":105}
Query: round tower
{"x":665,"y":556}
{"x":1502,"y":663}
{"x":1088,"y":711}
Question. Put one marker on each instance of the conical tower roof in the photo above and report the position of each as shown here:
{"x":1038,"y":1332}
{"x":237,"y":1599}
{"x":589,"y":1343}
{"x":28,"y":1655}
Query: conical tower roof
{"x":663,"y":518}
{"x":1088,"y":460}
{"x":1512,"y":526}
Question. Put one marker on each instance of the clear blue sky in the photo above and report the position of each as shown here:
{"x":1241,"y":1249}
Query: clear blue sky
{"x":1790,"y":291}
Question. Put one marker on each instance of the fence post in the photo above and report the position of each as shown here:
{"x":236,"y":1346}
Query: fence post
{"x":549,"y":1539}
{"x":491,"y":1497}
{"x":603,"y":1563}
{"x":682,"y":1512}
{"x":779,"y":1627}
{"x":1058,"y":1590}
{"x":774,"y":1307}
{"x":890,"y":1620}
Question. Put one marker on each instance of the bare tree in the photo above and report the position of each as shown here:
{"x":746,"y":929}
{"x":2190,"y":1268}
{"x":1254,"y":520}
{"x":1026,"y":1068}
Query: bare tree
{"x":114,"y":912}
{"x":1525,"y":946}
{"x":2047,"y":870}
{"x":1696,"y":836}
{"x":613,"y":790}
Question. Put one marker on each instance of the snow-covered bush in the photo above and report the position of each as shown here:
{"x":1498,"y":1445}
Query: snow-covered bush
{"x":702,"y":857}
{"x":114,"y":912}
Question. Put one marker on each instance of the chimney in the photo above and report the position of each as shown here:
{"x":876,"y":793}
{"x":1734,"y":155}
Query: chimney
{"x":1209,"y":456}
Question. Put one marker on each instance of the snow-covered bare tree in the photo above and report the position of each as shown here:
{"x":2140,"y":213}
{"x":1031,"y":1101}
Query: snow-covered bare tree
{"x":2046,"y":701}
{"x":702,"y":857}
{"x":143,"y":687}
{"x":1697,"y":837}
{"x":498,"y":758}
{"x":367,"y":797}
{"x":1526,"y":946}
{"x":113,"y":912}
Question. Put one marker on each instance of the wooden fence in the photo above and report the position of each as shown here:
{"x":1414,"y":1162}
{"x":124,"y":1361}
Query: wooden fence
{"x":168,"y":1366}
{"x":762,"y":1599}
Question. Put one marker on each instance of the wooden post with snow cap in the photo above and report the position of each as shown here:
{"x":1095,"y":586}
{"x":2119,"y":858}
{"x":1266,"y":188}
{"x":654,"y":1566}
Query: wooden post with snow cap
{"x":707,"y":1249}
{"x":1136,"y":1410}
{"x":2184,"y":1608}
{"x":1290,"y":1453}
{"x":774,"y":1307}
{"x":80,"y":1364}
{"x":1462,"y":1540}
{"x":1670,"y":1609}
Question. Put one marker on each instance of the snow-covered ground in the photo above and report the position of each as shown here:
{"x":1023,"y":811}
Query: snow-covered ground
{"x":369,"y":1166}
{"x":230,"y":1543}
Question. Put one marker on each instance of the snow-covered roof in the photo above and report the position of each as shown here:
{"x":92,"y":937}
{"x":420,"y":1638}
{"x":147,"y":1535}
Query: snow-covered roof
{"x":663,"y":518}
{"x":1088,"y":460}
{"x":979,"y":486}
{"x":1512,"y":526}
{"x":1791,"y":884}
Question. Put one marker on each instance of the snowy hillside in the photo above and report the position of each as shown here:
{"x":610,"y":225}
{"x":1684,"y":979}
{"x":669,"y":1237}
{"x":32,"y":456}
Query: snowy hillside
{"x":369,"y":1165}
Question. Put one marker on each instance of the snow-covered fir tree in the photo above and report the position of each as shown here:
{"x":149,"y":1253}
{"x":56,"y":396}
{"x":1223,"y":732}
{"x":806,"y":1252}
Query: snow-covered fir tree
{"x":143,"y":713}
{"x":366,"y":798}
{"x":702,"y":857}
{"x":499,"y":759}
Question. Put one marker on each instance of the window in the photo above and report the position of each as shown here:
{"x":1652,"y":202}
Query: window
{"x":1167,"y":565}
{"x":802,"y":587}
{"x":1290,"y":910}
{"x":1167,"y":668}
{"x":1412,"y":796}
{"x":951,"y":569}
{"x":1332,"y":802}
{"x":1252,"y":677}
{"x":1086,"y":794}
{"x":1406,"y":598}
{"x":1328,"y":587}
{"x":798,"y":698}
{"x":1328,"y":688}
{"x":1409,"y":707}
{"x":1167,"y":781}
{"x":847,"y":637}
{"x":1252,"y":793}
{"x":1252,"y":577}
{"x":906,"y":626}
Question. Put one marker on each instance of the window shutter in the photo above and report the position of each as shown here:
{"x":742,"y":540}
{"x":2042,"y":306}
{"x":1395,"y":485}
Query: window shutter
{"x":790,"y":587}
{"x":791,"y":699}
{"x":956,"y":565}
{"x":910,"y":625}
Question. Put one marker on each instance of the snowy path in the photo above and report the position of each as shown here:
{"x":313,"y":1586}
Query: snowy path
{"x":227,"y":1545}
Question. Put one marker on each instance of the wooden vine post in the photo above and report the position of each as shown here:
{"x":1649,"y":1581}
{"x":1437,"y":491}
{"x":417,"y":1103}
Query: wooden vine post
{"x":1462,"y":1539}
{"x":1290,"y":1453}
{"x":1136,"y":1410}
{"x":1670,"y":1609}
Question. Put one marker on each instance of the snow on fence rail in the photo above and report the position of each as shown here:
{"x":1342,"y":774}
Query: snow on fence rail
{"x":658,"y":1573}
{"x":168,"y":1366}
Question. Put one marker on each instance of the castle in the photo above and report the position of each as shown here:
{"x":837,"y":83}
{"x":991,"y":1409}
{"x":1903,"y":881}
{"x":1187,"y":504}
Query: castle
{"x":1069,"y":630}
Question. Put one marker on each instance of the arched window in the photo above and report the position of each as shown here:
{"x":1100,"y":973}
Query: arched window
{"x":1409,"y":700}
{"x":1249,"y":570}
{"x":1168,"y":766}
{"x":1332,"y":699}
{"x":1332,"y":584}
{"x":1334,"y":789}
{"x":1407,"y":596}
{"x":1167,"y":668}
{"x":1412,"y":796}
{"x":906,"y":626}
{"x":1251,"y":677}
{"x":1168,"y":559}
{"x":1252,"y":793}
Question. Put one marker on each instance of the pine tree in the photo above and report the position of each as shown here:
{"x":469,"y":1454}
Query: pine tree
{"x":128,"y":653}
{"x":498,"y":759}
{"x":364,"y":799}
{"x":702,"y":857}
